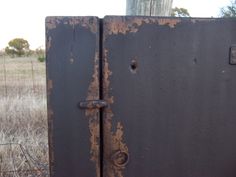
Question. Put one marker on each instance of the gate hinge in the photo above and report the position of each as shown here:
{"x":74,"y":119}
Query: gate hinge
{"x":92,"y":104}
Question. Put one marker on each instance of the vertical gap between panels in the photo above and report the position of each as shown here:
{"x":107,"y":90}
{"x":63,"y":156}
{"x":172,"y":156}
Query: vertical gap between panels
{"x":101,"y":92}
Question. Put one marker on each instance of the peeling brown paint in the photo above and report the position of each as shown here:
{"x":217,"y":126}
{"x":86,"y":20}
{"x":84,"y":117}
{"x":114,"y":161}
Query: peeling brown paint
{"x":91,"y":24}
{"x":116,"y":152}
{"x":93,"y":116}
{"x":49,"y":85}
{"x":74,"y":23}
{"x":52,"y":22}
{"x":168,"y":21}
{"x":49,"y":43}
{"x":123,"y":25}
{"x":113,"y":141}
{"x":50,"y":136}
{"x":93,"y":90}
{"x":87,"y":22}
{"x":50,"y":127}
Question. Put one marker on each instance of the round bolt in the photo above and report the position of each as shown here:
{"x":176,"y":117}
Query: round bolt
{"x":120,"y":159}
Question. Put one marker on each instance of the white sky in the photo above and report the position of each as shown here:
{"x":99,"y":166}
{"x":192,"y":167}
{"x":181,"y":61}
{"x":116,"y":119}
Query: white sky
{"x":25,"y":18}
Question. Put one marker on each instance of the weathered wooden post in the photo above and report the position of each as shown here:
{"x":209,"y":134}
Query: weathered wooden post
{"x":149,"y":7}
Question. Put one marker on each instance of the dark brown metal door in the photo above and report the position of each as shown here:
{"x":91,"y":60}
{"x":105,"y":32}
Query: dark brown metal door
{"x":172,"y":97}
{"x":72,"y":77}
{"x":166,"y":97}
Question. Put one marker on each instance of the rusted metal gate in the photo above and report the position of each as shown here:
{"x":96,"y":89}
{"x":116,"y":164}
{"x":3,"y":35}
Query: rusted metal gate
{"x":141,"y":96}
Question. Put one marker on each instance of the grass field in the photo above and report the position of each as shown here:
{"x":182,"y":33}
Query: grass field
{"x":23,"y":117}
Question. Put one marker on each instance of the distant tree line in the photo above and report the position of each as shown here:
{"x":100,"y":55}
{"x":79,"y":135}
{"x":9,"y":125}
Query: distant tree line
{"x":19,"y":47}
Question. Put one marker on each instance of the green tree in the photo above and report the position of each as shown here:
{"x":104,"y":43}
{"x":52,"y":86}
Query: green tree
{"x":17,"y":47}
{"x":180,"y":12}
{"x":229,"y":11}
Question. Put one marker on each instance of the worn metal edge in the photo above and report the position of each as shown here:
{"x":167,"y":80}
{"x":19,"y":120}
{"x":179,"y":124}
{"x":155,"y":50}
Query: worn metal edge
{"x":49,"y":86}
{"x":113,"y":140}
{"x":92,"y":24}
{"x":85,"y":21}
{"x":131,"y":24}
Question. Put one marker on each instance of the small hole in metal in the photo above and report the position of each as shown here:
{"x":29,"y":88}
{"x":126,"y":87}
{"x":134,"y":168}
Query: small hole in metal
{"x":133,"y":66}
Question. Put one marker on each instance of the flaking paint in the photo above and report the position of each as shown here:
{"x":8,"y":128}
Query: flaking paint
{"x":50,"y":126}
{"x":93,"y":116}
{"x":87,"y":22}
{"x":113,"y":140}
{"x":123,"y":25}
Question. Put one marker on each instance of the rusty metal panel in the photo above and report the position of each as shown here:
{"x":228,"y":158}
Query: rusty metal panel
{"x":72,"y":77}
{"x":171,"y":97}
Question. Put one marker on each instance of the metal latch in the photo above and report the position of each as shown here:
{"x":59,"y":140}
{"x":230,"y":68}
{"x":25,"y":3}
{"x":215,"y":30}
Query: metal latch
{"x":232,"y":60}
{"x":92,"y":104}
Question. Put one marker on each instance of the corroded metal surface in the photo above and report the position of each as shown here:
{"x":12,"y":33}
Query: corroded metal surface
{"x":167,"y":98}
{"x":86,"y":22}
{"x":112,"y":137}
{"x":124,"y":25}
{"x":73,"y":76}
{"x":171,"y":91}
{"x":93,"y":114}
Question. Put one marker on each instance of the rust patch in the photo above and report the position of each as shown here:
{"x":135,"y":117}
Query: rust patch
{"x":168,"y":21}
{"x":123,"y":25}
{"x":93,"y":90}
{"x":49,"y":43}
{"x":50,"y":127}
{"x":49,"y":85}
{"x":87,"y":22}
{"x":93,"y":115}
{"x":113,"y":141}
{"x":90,"y":23}
{"x":52,"y":22}
{"x":50,"y":136}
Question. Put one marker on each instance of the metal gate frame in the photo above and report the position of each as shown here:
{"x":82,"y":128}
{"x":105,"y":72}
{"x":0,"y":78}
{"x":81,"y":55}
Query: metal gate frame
{"x":85,"y":137}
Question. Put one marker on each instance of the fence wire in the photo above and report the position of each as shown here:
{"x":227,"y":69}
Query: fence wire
{"x":16,"y":161}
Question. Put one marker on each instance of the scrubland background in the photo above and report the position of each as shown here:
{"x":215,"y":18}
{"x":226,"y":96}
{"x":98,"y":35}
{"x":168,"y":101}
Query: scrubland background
{"x":23,"y":117}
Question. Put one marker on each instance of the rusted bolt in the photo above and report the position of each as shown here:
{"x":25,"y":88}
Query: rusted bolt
{"x":120,"y":158}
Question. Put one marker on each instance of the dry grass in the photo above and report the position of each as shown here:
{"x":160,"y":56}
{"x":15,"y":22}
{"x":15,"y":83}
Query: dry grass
{"x":23,"y":127}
